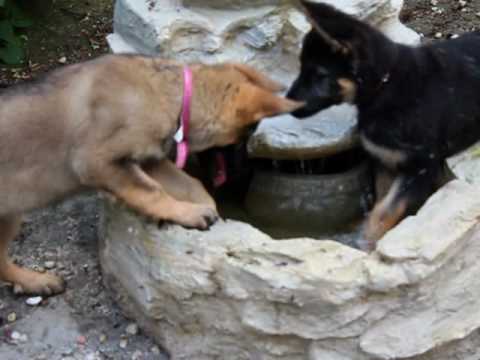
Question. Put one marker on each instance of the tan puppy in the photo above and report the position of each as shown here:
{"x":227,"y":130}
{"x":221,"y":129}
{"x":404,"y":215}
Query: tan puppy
{"x":108,"y":124}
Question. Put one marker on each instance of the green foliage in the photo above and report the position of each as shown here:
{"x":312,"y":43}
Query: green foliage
{"x":13,"y":19}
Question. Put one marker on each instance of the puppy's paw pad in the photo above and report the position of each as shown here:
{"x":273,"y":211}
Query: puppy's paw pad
{"x":199,"y":217}
{"x":211,"y":217}
{"x":41,"y":284}
{"x":18,"y":289}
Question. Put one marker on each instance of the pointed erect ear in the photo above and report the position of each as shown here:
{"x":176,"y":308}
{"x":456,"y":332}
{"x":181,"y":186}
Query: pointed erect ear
{"x":319,"y":16}
{"x":259,"y":79}
{"x":257,"y":103}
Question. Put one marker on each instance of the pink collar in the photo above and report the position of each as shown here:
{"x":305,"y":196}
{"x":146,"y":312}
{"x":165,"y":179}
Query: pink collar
{"x":181,"y":136}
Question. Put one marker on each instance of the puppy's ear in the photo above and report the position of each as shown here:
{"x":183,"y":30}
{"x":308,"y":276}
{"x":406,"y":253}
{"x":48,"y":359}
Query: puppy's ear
{"x":257,"y":103}
{"x":332,"y":25}
{"x":259,"y":79}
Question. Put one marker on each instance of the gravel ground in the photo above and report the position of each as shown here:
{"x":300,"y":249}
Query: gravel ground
{"x":440,"y":19}
{"x":84,"y":323}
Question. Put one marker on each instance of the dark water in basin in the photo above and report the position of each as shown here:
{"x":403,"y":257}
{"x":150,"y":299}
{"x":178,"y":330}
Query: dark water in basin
{"x":351,"y":235}
{"x":301,"y":198}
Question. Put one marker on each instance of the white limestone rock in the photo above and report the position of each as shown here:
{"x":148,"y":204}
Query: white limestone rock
{"x":234,"y":293}
{"x":466,"y":165}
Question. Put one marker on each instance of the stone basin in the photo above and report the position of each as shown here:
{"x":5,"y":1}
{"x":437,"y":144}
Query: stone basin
{"x":308,"y":204}
{"x":235,"y":293}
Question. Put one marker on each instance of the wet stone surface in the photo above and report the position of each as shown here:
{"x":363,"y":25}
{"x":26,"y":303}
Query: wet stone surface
{"x":286,"y":138}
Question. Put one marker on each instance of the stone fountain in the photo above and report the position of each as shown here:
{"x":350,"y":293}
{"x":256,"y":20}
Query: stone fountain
{"x":234,"y":292}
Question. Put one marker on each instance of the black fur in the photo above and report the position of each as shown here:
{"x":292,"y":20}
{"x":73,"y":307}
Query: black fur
{"x":422,"y":102}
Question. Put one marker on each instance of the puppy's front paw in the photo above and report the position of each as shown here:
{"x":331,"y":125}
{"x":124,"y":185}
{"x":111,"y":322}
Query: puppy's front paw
{"x":372,"y":232}
{"x":198,"y":216}
{"x":381,"y":220}
{"x":39,"y":284}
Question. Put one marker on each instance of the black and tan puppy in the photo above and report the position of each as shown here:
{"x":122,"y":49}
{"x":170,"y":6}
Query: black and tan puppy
{"x":108,"y":124}
{"x":417,"y":105}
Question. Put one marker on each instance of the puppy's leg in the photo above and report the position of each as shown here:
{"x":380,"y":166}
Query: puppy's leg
{"x":130,"y":183}
{"x":179,"y":184}
{"x":23,"y":280}
{"x":406,"y":195}
{"x":386,"y":214}
{"x":384,"y":179}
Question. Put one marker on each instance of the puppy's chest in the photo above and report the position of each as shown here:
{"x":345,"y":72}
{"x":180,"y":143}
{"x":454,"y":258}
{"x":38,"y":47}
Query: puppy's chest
{"x":387,"y":155}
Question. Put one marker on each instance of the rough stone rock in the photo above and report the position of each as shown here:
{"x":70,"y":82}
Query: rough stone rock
{"x":234,"y":293}
{"x":286,"y":138}
{"x":466,"y":165}
{"x":266,"y":34}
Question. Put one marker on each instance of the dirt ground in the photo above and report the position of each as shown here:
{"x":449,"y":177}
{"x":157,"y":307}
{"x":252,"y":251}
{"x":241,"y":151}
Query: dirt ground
{"x":84,"y":323}
{"x":71,"y":31}
{"x":440,"y":19}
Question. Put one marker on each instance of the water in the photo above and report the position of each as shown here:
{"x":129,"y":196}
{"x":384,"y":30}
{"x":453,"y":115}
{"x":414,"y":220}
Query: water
{"x":350,"y":235}
{"x":286,"y":207}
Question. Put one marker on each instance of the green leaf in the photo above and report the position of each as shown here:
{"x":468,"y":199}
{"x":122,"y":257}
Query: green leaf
{"x":6,"y":32}
{"x":12,"y":17}
{"x":22,"y":23}
{"x":12,"y":54}
{"x":18,"y":16}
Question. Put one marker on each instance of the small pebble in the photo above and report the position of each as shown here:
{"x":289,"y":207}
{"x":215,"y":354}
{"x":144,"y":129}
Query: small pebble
{"x":434,"y":2}
{"x":62,"y":60}
{"x":438,"y":35}
{"x":478,"y":14}
{"x":92,"y":356}
{"x":81,"y":340}
{"x":454,"y":36}
{"x":462,"y":3}
{"x":102,"y":338}
{"x":49,"y":265}
{"x":132,"y":329}
{"x":12,"y":317}
{"x":68,"y":352}
{"x":18,"y":337}
{"x":34,"y":301}
{"x":123,"y":343}
{"x":137,"y":355}
{"x":155,"y":350}
{"x":39,"y":269}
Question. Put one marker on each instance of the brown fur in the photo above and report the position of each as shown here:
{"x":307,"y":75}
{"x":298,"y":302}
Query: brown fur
{"x":348,"y":89}
{"x":108,"y":124}
{"x":384,"y":216}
